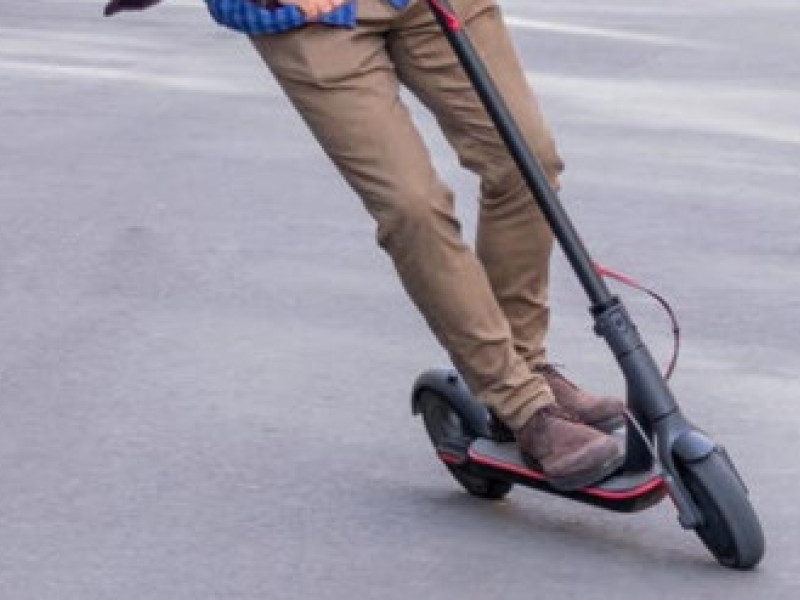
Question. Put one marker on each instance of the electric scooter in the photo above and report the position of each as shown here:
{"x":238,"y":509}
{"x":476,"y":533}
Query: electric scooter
{"x":666,"y":455}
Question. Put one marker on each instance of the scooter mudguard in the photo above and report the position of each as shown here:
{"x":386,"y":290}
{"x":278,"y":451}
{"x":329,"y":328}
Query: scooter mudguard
{"x":448,"y":384}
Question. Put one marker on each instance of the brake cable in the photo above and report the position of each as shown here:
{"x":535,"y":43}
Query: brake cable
{"x":676,"y":331}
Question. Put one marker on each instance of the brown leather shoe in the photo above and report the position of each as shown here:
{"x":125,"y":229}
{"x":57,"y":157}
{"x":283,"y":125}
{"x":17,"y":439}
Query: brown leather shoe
{"x":603,"y":413}
{"x":569,"y":454}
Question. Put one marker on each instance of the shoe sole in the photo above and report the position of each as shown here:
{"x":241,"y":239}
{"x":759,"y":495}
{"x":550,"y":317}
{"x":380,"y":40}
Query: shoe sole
{"x":609,"y":425}
{"x":578,"y":481}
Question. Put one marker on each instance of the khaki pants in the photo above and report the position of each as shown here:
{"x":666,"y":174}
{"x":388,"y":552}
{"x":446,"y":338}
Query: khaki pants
{"x":488,"y":308}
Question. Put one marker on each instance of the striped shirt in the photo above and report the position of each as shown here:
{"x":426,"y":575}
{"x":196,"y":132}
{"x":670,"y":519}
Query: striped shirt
{"x":260,"y":16}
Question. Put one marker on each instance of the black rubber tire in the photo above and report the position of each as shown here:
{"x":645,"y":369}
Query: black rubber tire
{"x":443,"y":423}
{"x":730,"y":528}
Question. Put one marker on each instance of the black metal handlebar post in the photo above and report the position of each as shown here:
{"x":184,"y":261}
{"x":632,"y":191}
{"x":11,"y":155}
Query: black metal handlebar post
{"x":612,"y":321}
{"x":547,"y":199}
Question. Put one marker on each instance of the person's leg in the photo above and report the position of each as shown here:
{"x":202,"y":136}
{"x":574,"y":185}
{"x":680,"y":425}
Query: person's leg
{"x":344,"y":85}
{"x":514,"y":241}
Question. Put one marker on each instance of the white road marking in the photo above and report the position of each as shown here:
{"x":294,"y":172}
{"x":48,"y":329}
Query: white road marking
{"x":732,"y":109}
{"x":192,"y":84}
{"x":597,"y":32}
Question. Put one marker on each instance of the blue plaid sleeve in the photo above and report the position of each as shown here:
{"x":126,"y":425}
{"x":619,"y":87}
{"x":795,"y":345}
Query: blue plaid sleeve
{"x":248,"y":17}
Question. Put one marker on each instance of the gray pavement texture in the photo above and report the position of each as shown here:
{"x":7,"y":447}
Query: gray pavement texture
{"x":205,"y":360}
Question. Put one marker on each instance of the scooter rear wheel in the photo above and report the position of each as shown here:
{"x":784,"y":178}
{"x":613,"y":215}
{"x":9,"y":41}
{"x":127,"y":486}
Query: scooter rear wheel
{"x":730,"y":528}
{"x":446,"y":427}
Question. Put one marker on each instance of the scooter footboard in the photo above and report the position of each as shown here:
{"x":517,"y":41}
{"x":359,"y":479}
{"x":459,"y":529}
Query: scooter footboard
{"x":624,"y":492}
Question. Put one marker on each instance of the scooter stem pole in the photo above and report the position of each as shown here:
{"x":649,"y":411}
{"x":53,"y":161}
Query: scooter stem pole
{"x":546,"y":198}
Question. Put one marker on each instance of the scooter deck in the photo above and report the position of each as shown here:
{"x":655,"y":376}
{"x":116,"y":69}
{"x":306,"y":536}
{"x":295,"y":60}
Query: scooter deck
{"x":624,"y":492}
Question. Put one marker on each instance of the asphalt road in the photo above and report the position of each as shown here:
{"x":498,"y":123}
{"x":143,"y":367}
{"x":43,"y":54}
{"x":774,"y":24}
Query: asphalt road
{"x":205,"y":361}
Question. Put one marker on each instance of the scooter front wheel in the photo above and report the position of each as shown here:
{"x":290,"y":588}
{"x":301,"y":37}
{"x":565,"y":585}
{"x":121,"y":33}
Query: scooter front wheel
{"x":729,"y":528}
{"x":445,"y":427}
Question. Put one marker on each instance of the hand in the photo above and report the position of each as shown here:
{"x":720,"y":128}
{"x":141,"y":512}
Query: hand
{"x":314,"y":9}
{"x":115,"y":6}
